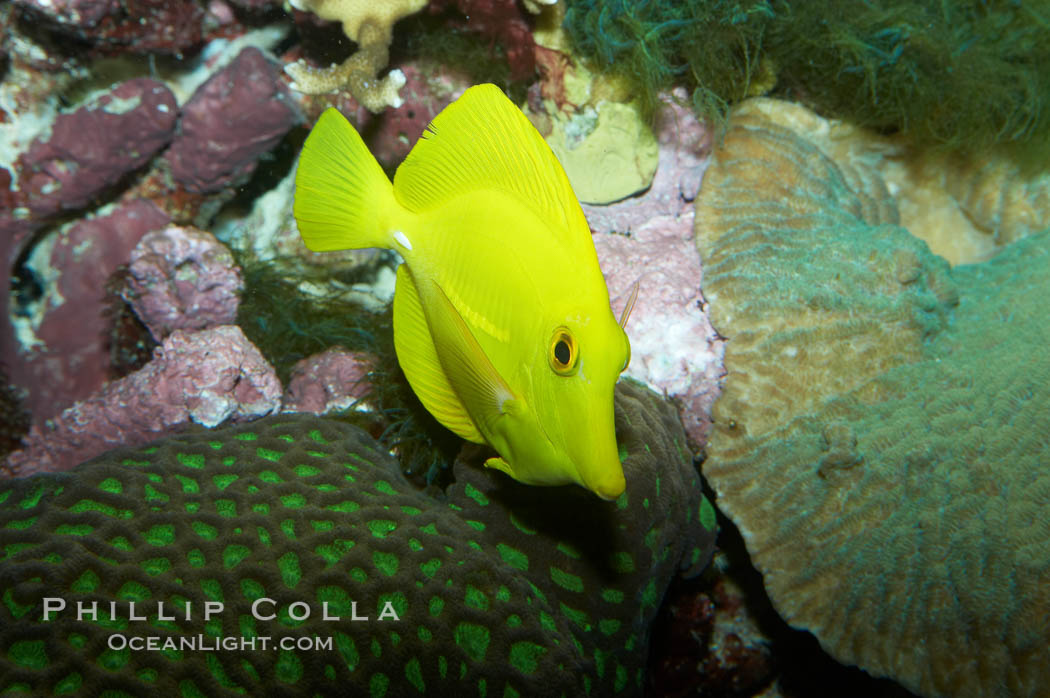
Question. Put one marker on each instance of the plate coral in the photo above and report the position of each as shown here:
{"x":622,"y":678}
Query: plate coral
{"x":882,"y":436}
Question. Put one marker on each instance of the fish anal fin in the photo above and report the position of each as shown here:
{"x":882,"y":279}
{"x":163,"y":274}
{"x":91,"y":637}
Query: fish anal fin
{"x":419,"y":360}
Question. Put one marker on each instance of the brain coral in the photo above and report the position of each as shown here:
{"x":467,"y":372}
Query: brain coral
{"x":501,"y":589}
{"x":882,"y":438}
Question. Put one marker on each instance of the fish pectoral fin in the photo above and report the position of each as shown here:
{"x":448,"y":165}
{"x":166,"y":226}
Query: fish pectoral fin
{"x":419,"y":360}
{"x":470,"y":371}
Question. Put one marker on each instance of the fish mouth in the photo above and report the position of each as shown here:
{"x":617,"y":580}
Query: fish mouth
{"x":607,"y":483}
{"x":573,"y":462}
{"x":601,"y":474}
{"x":610,"y":488}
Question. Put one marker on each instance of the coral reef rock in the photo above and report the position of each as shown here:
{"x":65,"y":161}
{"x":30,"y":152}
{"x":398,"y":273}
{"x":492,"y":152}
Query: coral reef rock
{"x":684,"y":148}
{"x":883,"y":436}
{"x":648,"y":239}
{"x":709,"y":642}
{"x":501,"y":23}
{"x":330,"y":381}
{"x":239,"y":114}
{"x":590,"y":120}
{"x":115,"y":26}
{"x":428,"y":89}
{"x":182,"y":279}
{"x":68,"y":357}
{"x":95,"y":146}
{"x":205,"y":377}
{"x":608,"y":151}
{"x":497,"y":588}
{"x":673,"y":346}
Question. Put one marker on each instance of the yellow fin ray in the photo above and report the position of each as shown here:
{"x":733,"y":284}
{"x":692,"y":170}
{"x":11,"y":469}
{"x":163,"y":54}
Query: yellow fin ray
{"x":483,"y":141}
{"x":342,"y":196}
{"x":419,"y":360}
{"x":471,"y":373}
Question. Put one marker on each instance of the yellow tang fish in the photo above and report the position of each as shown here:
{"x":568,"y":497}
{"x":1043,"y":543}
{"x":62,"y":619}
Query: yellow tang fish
{"x":502,"y":322}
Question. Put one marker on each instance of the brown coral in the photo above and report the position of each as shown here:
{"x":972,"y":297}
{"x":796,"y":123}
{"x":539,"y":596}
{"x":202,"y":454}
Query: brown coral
{"x":882,"y":437}
{"x":964,"y":207}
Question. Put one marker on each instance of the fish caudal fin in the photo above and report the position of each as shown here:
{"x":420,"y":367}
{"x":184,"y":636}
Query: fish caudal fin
{"x":343,"y":199}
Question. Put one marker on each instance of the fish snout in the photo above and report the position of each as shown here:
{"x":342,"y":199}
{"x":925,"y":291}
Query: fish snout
{"x":610,"y":485}
{"x":593,"y":450}
{"x":600,"y":469}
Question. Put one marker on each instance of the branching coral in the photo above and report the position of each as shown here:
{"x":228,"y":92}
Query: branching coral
{"x":370,"y":25}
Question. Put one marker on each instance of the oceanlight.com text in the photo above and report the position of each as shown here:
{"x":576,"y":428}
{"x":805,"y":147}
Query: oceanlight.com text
{"x":207,"y":643}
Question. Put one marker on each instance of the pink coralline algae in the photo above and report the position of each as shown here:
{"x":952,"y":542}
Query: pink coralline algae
{"x":649,"y":240}
{"x":237,"y":115}
{"x":117,"y":26}
{"x":256,"y":4}
{"x":206,"y":377}
{"x":330,"y":381}
{"x":7,"y":197}
{"x":182,"y":279}
{"x":70,"y":360}
{"x":82,"y":14}
{"x":426,"y":92}
{"x":94,"y":147}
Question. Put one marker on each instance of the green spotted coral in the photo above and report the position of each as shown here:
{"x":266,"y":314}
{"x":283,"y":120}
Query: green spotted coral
{"x":497,"y":587}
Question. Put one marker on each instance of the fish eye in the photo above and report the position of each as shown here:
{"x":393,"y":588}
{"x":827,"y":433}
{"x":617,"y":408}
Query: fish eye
{"x":563,"y":352}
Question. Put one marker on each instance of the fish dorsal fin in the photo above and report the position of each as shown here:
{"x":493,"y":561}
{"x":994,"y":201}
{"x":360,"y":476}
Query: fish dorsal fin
{"x":483,"y":141}
{"x":419,"y":360}
{"x":470,"y":371}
